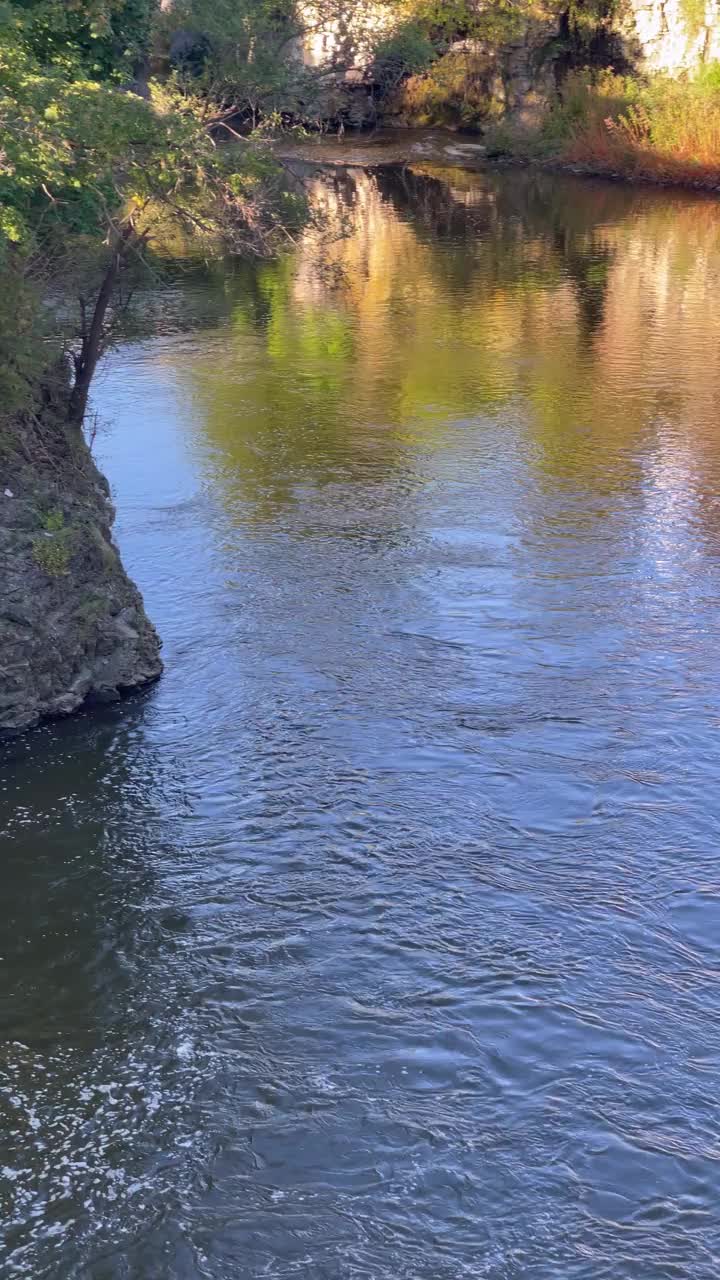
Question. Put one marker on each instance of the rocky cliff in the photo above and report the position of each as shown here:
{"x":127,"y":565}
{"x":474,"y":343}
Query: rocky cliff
{"x":73,"y":629}
{"x":659,"y":35}
{"x":646,"y":36}
{"x":672,"y":35}
{"x":480,"y":79}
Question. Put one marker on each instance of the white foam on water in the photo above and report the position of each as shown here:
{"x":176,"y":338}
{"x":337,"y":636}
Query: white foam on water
{"x":89,"y":1146}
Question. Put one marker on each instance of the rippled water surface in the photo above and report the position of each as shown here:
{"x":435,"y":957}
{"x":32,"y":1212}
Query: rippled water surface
{"x":381,"y":940}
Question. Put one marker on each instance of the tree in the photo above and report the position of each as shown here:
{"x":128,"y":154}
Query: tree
{"x":108,"y":36}
{"x":87,"y":173}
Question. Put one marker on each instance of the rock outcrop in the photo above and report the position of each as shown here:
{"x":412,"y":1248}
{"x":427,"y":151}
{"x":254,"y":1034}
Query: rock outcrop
{"x":673,"y":35}
{"x":73,"y":629}
{"x":476,"y":81}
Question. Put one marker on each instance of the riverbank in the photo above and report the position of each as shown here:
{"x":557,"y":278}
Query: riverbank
{"x":92,"y":179}
{"x":659,"y":129}
{"x":73,"y":628}
{"x":398,"y":145}
{"x":653,"y":129}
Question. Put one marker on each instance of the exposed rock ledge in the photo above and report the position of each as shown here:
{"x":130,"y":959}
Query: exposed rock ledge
{"x":73,"y":628}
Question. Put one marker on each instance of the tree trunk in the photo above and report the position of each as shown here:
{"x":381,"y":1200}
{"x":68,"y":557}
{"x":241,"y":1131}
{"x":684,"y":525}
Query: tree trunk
{"x":91,"y":347}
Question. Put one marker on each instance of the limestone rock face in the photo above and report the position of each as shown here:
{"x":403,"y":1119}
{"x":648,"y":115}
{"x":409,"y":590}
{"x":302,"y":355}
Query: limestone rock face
{"x":73,"y":628}
{"x":670,"y":36}
{"x":674,"y":35}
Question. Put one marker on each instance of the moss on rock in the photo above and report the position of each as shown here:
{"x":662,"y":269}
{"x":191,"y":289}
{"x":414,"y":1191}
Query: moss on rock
{"x":72,"y":625}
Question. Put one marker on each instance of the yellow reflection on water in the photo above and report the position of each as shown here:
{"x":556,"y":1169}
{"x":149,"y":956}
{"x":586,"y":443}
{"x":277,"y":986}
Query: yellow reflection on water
{"x":579,"y":318}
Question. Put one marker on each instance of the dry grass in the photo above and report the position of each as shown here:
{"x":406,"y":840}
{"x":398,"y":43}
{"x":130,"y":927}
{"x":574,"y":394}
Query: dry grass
{"x":667,"y":131}
{"x":661,"y":130}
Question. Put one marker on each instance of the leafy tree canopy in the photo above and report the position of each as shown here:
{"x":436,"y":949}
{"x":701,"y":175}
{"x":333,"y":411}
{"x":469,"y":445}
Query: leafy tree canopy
{"x":88,"y":172}
{"x":108,"y":36}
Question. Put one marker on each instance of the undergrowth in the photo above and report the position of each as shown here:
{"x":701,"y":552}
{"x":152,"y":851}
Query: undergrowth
{"x":662,"y":129}
{"x":51,"y":548}
{"x":457,"y":89}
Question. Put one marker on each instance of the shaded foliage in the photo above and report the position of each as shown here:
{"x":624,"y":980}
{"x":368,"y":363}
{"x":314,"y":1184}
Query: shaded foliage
{"x":108,"y":36}
{"x":88,"y":175}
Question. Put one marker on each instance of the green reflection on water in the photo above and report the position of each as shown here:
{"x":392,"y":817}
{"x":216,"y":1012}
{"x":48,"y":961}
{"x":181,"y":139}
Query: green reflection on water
{"x":580,"y":313}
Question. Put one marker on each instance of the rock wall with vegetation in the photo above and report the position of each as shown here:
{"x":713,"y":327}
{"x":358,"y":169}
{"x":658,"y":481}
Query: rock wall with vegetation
{"x":73,"y":628}
{"x":459,"y":63}
{"x":515,"y":65}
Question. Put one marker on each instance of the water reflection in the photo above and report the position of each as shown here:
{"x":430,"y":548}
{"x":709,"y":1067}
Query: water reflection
{"x":588,"y":309}
{"x":94,"y":1077}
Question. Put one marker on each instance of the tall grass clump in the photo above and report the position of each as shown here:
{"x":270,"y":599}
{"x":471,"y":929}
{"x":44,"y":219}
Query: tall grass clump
{"x":663,"y":129}
{"x":658,"y":129}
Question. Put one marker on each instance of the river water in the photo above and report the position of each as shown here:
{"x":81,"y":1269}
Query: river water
{"x":381,"y":939}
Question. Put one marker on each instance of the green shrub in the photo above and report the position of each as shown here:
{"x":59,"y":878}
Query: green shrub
{"x":105,"y":36}
{"x":456,"y":90}
{"x":707,"y":78}
{"x":53,"y":521}
{"x":588,"y":100}
{"x":406,"y":52}
{"x":52,"y":547}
